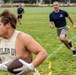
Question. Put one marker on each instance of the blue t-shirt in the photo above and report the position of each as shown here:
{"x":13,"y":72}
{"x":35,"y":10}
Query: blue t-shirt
{"x":59,"y":18}
{"x":20,"y":10}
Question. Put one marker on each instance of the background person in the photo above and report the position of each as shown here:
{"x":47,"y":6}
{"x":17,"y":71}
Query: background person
{"x":58,"y":17}
{"x":20,"y":11}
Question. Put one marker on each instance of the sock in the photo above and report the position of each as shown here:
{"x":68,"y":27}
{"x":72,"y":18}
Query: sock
{"x":71,"y":45}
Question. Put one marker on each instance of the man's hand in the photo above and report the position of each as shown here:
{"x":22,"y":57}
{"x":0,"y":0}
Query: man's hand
{"x":26,"y":68}
{"x":51,"y":25}
{"x":74,"y":26}
{"x":3,"y":66}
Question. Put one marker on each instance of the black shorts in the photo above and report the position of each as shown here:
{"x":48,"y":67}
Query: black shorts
{"x":19,"y":16}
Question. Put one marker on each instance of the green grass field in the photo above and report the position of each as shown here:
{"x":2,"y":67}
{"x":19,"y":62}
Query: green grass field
{"x":36,"y":23}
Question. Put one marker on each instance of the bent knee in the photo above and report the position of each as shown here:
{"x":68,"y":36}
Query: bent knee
{"x":62,"y":38}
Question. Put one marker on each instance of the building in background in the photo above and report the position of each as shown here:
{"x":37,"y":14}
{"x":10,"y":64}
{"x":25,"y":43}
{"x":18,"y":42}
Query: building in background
{"x":39,"y":1}
{"x":1,"y":1}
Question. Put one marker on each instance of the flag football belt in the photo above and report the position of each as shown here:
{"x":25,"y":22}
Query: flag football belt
{"x":60,"y":28}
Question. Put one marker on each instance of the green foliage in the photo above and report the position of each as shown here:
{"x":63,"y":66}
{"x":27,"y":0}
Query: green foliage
{"x":6,"y":1}
{"x":35,"y":22}
{"x":47,"y":1}
{"x":33,"y":1}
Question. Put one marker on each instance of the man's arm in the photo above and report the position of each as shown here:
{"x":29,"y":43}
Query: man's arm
{"x":36,"y":48}
{"x":71,"y":20}
{"x":51,"y":21}
{"x":23,"y":11}
{"x":17,"y":11}
{"x":33,"y":47}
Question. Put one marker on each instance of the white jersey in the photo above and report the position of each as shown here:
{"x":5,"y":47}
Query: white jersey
{"x":7,"y":47}
{"x":8,"y":52}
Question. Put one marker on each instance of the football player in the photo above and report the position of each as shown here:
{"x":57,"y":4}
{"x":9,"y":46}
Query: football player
{"x":16,"y":44}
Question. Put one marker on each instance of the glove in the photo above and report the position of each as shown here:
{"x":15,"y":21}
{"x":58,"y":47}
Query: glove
{"x":3,"y":66}
{"x":26,"y":68}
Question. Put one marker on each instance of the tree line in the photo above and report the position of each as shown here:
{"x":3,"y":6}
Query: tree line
{"x":33,"y":1}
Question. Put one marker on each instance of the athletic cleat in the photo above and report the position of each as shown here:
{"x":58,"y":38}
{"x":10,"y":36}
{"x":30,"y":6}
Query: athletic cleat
{"x":74,"y":52}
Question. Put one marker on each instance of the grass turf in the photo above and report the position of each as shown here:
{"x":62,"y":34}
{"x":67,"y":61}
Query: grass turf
{"x":35,"y":22}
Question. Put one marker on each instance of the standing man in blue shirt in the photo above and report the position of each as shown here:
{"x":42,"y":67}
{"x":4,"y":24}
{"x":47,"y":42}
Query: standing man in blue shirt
{"x":20,"y":11}
{"x":58,"y":17}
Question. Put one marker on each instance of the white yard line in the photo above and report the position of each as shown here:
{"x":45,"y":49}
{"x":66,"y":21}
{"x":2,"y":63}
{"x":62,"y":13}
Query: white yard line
{"x":59,"y":48}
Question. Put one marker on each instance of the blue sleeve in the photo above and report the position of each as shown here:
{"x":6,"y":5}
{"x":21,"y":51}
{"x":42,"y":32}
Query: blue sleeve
{"x":66,"y":14}
{"x":50,"y":17}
